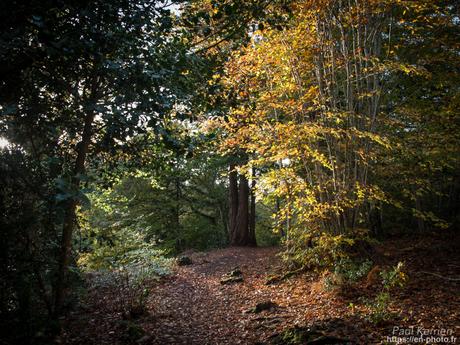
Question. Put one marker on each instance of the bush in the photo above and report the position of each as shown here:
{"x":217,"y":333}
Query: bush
{"x":128,"y":286}
{"x":393,"y":278}
{"x":346,"y":271}
{"x":127,"y":277}
{"x":379,"y":308}
{"x":143,"y":257}
{"x":352,"y":271}
{"x":133,"y":292}
{"x":317,"y":251}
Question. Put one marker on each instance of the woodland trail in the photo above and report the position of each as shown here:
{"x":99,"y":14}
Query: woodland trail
{"x":192,"y":307}
{"x":195,"y":308}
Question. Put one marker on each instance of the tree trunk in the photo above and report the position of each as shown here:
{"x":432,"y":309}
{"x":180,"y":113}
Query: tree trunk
{"x":420,"y":221}
{"x":70,"y":214}
{"x":239,"y":216}
{"x":278,"y":218}
{"x":177,"y":224}
{"x":252,"y":214}
{"x":233,"y":202}
{"x":241,"y":234}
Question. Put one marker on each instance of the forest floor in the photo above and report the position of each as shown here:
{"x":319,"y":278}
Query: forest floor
{"x":191,"y":306}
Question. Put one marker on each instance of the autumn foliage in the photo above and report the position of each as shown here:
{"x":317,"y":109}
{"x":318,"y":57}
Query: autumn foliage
{"x":325,"y":114}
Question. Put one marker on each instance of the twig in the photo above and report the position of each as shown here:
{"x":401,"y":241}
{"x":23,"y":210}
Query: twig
{"x":440,"y":276}
{"x":277,"y":278}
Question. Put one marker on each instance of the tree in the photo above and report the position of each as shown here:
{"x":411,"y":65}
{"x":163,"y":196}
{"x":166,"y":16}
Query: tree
{"x":220,"y":28}
{"x":94,"y":74}
{"x":319,"y":110}
{"x":242,"y":209}
{"x":421,"y":117}
{"x":170,"y":202}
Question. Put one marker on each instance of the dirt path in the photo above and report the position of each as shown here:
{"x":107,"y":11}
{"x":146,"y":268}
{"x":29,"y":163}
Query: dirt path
{"x":193,"y":307}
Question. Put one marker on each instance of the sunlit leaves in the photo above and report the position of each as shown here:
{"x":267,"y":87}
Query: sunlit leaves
{"x":315,"y":114}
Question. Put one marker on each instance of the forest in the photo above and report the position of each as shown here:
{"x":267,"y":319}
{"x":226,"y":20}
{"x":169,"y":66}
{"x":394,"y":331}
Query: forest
{"x":229,"y":172}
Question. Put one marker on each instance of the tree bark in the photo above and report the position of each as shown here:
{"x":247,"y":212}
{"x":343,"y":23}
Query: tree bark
{"x":241,"y":235}
{"x":252,"y":214}
{"x":240,"y":217}
{"x":70,"y":213}
{"x":177,"y":223}
{"x":420,"y":221}
{"x":233,"y":202}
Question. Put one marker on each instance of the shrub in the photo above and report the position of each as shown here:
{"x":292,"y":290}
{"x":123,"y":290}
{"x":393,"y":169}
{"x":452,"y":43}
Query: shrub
{"x":393,"y":278}
{"x":144,"y":259}
{"x":345,"y":271}
{"x":317,"y":251}
{"x":127,"y":278}
{"x":352,"y":271}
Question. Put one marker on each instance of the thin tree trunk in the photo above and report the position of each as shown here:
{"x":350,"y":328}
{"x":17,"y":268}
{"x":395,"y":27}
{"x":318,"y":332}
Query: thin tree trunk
{"x":70,"y":213}
{"x":278,"y":219}
{"x":418,"y":207}
{"x":233,"y":202}
{"x":252,"y":215}
{"x":177,"y":214}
